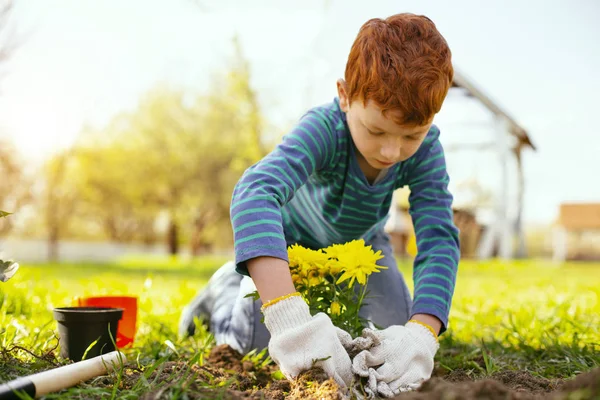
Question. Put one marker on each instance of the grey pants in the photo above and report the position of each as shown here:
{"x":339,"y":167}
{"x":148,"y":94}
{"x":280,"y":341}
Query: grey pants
{"x":236,"y":320}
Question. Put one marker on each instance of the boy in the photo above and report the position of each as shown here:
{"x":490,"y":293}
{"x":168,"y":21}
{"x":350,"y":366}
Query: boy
{"x":331,"y":180}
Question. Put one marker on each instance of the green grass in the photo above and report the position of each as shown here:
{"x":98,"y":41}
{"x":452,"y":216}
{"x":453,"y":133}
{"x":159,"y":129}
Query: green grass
{"x":531,"y":316}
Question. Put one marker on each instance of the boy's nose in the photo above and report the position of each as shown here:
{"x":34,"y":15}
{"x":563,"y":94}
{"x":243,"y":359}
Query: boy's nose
{"x":391,"y":153}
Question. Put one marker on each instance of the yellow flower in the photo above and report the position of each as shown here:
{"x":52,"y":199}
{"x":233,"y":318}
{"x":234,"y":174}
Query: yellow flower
{"x":296,"y":278}
{"x":335,"y":308}
{"x":306,"y":259}
{"x":334,"y":250}
{"x":334,"y":267}
{"x":314,"y":279}
{"x":358,"y":262}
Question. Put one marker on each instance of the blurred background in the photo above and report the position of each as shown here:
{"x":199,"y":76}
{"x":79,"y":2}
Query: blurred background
{"x":124,"y":125}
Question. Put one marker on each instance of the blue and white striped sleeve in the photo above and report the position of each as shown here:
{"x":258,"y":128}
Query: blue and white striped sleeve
{"x":436,"y":264}
{"x":268,"y":185}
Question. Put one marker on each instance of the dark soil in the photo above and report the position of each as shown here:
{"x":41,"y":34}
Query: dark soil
{"x":239,"y":379}
{"x":242,"y":380}
{"x":508,"y":385}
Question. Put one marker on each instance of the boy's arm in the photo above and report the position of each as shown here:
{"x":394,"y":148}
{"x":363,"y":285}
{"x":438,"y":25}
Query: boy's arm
{"x":271,"y":277}
{"x":404,"y":355}
{"x":260,"y":245}
{"x":298,"y":339}
{"x":438,"y":254}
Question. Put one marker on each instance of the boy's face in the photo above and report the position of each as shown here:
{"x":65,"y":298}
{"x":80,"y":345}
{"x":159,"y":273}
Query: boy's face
{"x":380,"y":141}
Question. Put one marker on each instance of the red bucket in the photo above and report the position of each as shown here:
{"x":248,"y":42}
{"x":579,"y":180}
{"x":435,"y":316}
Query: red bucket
{"x":127,"y":324}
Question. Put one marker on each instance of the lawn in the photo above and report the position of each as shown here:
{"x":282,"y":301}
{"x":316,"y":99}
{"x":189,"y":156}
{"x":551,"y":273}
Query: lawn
{"x":529,"y":326}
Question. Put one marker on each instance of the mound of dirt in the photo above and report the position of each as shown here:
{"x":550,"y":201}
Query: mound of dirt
{"x":314,"y":384}
{"x":507,"y":385}
{"x":584,"y":386}
{"x":239,"y":379}
{"x":523,"y":381}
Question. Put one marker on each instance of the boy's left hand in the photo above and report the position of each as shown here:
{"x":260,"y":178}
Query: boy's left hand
{"x":399,"y":359}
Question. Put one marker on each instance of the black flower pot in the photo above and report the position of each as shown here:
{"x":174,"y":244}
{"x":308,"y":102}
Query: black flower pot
{"x":79,"y":327}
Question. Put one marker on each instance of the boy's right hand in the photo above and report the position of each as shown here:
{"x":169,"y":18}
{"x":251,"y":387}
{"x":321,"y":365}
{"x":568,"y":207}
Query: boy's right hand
{"x":300,"y":341}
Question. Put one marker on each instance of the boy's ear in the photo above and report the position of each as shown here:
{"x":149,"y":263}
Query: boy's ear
{"x":342,"y":89}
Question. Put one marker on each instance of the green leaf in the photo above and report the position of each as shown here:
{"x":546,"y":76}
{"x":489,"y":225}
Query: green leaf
{"x":254,"y":295}
{"x":316,"y":360}
{"x":278,"y":375}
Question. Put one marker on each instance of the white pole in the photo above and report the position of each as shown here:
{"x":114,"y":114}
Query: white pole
{"x":499,"y":232}
{"x":63,"y":377}
{"x":559,"y":244}
{"x":506,"y":228}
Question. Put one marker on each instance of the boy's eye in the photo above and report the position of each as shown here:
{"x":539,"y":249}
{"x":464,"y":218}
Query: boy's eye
{"x":375,"y":133}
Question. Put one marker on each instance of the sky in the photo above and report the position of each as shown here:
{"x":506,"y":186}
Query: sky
{"x":83,"y":61}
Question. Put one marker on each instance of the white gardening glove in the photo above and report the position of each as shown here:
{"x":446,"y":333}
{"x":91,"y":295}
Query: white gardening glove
{"x":298,"y":339}
{"x":400,"y":359}
{"x":353,"y":346}
{"x":7,"y":270}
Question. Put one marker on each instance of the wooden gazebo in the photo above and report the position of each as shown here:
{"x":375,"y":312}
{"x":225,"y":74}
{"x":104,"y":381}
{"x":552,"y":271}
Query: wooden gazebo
{"x":496,"y":239}
{"x":510,"y":141}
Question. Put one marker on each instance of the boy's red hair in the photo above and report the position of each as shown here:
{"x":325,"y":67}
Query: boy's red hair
{"x":403,"y":64}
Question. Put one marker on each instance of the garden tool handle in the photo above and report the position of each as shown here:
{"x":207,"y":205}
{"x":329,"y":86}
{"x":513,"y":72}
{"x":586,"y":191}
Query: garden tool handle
{"x":56,"y":379}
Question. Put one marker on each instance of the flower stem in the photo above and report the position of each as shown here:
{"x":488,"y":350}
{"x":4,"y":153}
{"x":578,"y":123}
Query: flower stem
{"x":361,"y":297}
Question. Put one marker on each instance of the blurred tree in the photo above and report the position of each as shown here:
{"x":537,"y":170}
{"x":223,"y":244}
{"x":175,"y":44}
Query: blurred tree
{"x":109,"y":184}
{"x":59,"y":199}
{"x":232,"y":132}
{"x":478,"y":196}
{"x":165,"y":138}
{"x":175,"y":157}
{"x":14,"y":185}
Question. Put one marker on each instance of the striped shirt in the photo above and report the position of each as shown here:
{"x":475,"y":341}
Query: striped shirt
{"x":311,"y":190}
